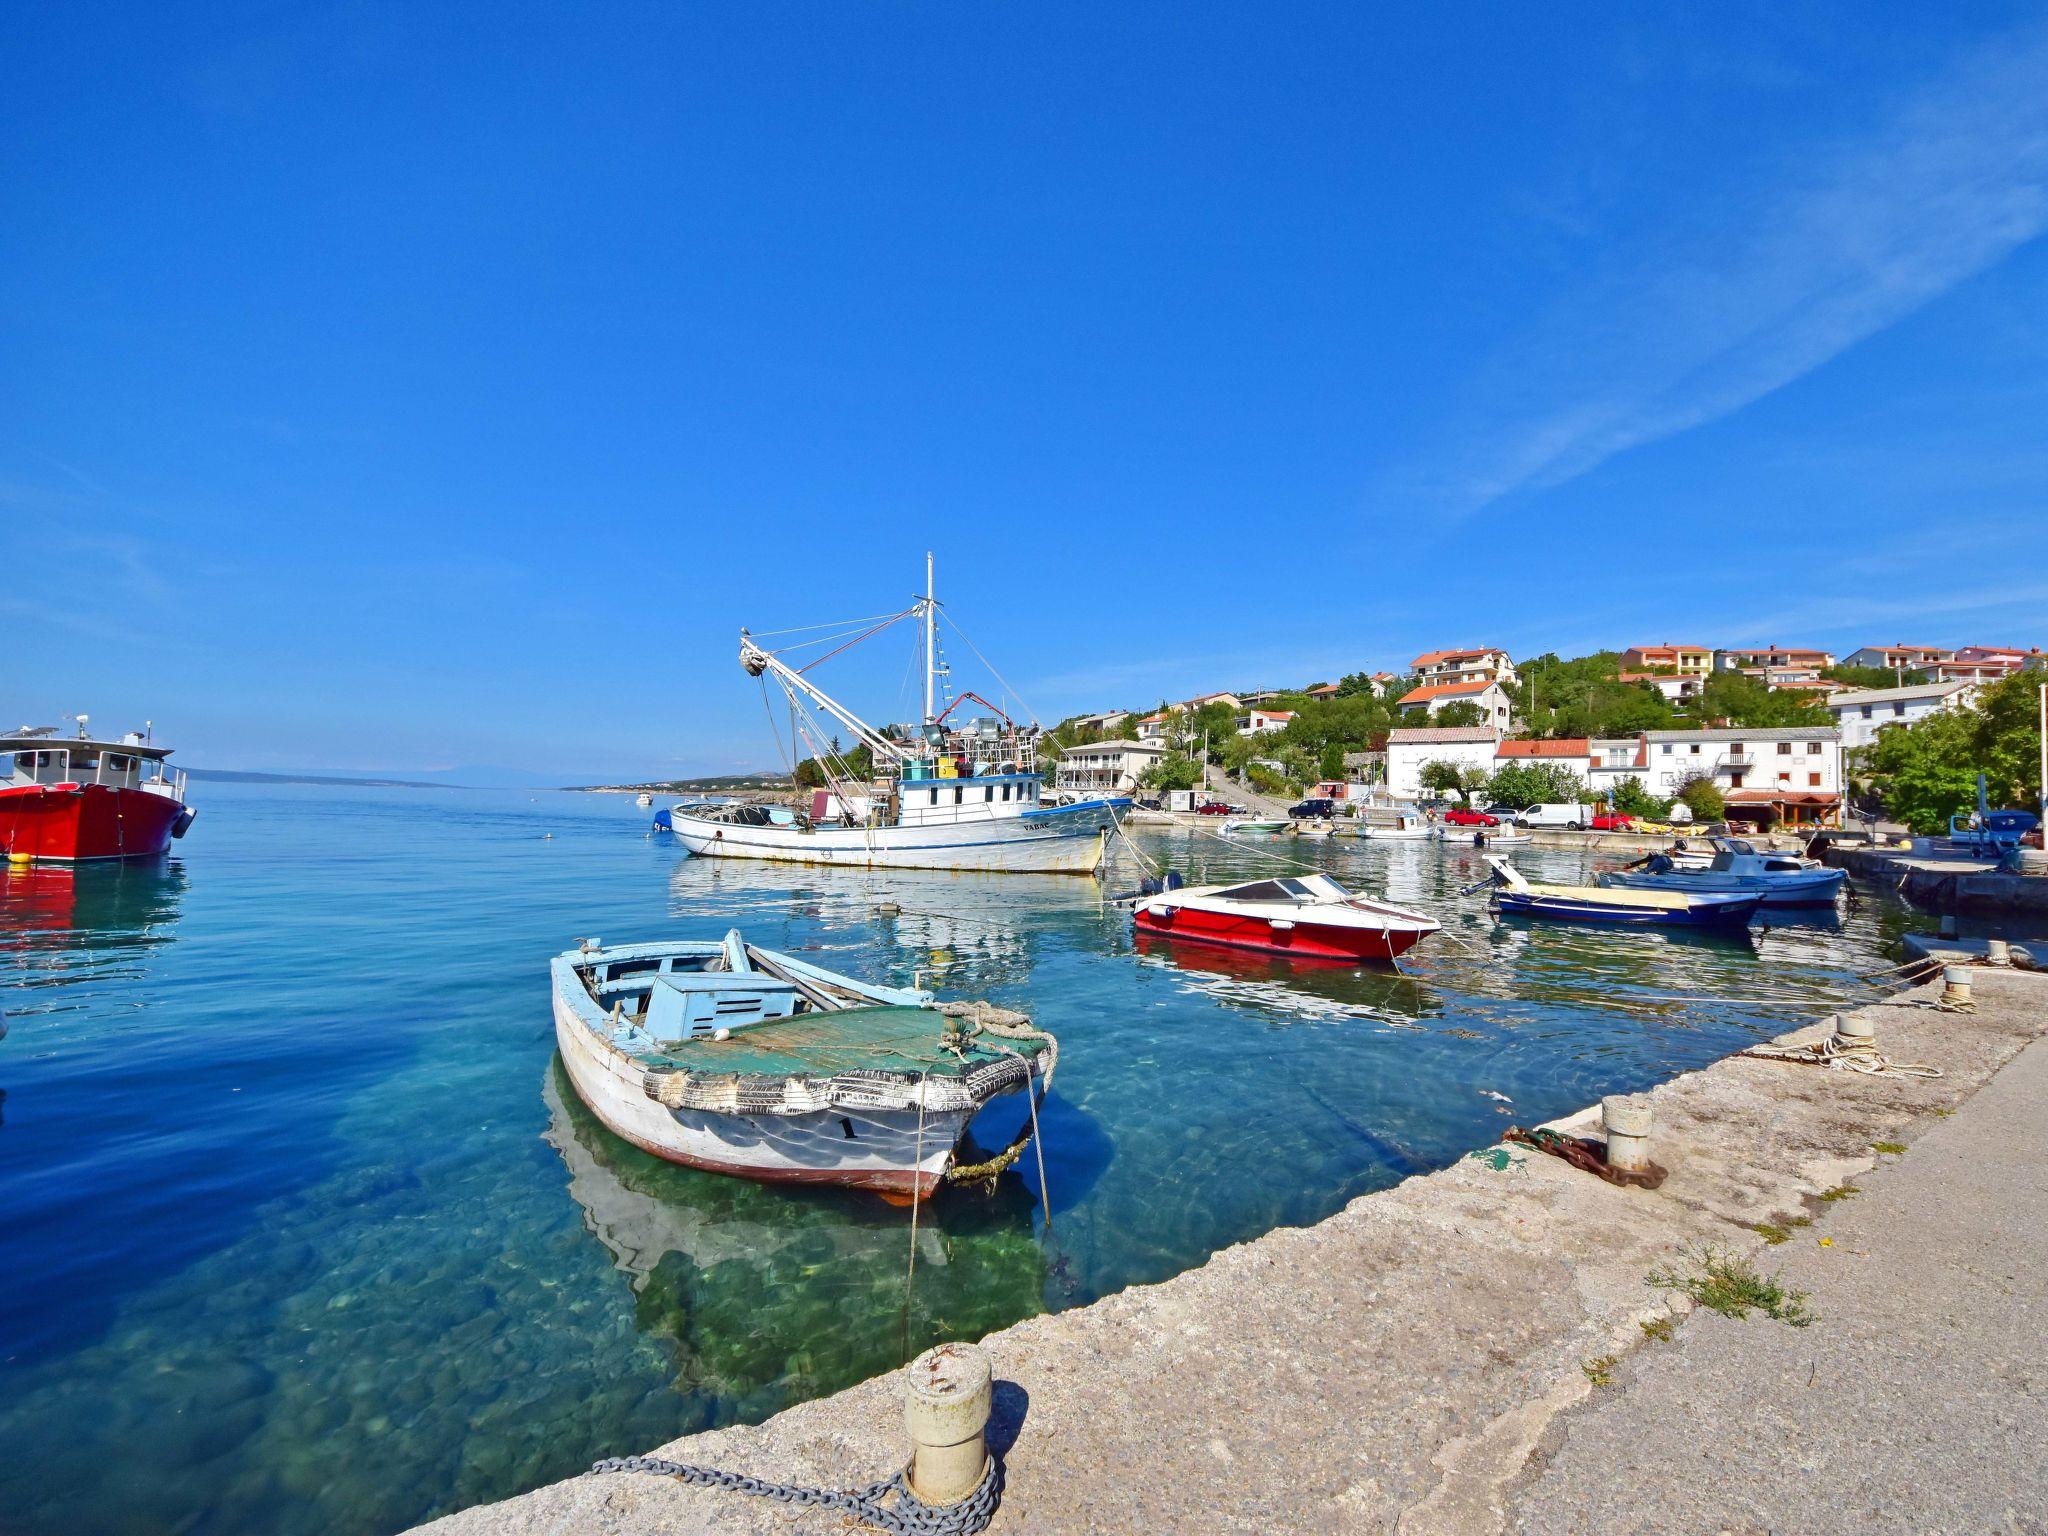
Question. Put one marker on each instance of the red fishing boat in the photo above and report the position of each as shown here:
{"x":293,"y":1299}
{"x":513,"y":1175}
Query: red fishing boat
{"x":70,"y":799}
{"x":1310,"y":916}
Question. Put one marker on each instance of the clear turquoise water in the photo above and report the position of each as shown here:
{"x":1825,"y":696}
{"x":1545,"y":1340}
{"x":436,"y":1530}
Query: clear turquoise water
{"x":298,"y":1234}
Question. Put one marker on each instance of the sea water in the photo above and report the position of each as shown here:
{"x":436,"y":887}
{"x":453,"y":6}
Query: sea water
{"x":303,"y":1231}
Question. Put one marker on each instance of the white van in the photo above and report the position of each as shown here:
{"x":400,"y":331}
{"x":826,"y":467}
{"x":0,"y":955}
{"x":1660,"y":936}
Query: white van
{"x":1553,"y":814}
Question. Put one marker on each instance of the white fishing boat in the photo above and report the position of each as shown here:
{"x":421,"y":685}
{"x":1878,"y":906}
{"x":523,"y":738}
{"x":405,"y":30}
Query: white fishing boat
{"x":1251,"y":825}
{"x":936,"y":796}
{"x":1408,"y":829}
{"x":722,"y":1056}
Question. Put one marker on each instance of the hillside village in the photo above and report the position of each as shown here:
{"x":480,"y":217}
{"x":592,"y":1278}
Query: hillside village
{"x":1770,"y":735}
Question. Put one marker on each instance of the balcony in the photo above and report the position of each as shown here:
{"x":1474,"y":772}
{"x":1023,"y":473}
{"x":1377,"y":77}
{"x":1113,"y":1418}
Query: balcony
{"x":1735,"y":762}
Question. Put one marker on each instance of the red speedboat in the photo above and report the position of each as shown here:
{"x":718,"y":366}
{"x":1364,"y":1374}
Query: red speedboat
{"x":1311,"y":916}
{"x":69,"y":799}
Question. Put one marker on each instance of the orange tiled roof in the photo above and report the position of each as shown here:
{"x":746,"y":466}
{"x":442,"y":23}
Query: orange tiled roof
{"x":1431,"y":658}
{"x":1564,"y":746}
{"x":1429,"y":691}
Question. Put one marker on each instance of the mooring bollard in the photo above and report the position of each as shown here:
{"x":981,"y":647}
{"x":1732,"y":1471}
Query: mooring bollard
{"x":1997,"y":952}
{"x":1627,"y":1118}
{"x":947,"y":1393}
{"x":1955,"y":986}
{"x":1853,"y":1030}
{"x":1948,"y":925}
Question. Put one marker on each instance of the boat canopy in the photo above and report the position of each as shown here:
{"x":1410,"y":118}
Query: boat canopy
{"x":1296,"y":889}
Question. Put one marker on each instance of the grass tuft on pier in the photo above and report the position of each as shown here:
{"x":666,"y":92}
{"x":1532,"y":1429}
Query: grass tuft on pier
{"x":1729,"y":1284}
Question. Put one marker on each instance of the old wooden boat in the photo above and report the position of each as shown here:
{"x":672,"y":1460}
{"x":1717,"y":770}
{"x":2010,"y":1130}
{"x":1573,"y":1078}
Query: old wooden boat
{"x":721,"y":1055}
{"x":1514,"y":896}
{"x":1308,"y":916}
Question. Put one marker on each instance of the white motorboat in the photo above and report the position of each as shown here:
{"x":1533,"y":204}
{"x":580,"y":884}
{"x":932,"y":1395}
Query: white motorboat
{"x":1408,"y":829}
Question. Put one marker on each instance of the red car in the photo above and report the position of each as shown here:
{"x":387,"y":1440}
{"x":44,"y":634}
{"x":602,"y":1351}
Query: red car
{"x":1466,"y":818}
{"x":1212,"y":808}
{"x":1606,"y":822}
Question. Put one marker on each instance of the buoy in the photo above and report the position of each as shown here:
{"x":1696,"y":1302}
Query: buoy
{"x":14,"y":857}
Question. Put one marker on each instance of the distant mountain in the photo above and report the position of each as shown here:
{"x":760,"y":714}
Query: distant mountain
{"x":354,"y":780}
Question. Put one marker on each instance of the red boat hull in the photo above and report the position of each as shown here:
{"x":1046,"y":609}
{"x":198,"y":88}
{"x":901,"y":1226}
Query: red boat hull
{"x":75,"y":822}
{"x":1307,"y":940}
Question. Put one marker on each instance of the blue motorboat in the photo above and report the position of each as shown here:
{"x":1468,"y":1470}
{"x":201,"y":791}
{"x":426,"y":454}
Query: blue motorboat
{"x":1737,"y":868}
{"x":1514,"y":896}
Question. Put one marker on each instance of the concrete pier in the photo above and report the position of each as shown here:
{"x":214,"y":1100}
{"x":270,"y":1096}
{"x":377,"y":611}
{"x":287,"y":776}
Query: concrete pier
{"x":1427,"y":1357}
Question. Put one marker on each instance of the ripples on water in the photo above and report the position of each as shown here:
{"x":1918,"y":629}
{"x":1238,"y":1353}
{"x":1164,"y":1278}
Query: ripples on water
{"x":300,"y":1230}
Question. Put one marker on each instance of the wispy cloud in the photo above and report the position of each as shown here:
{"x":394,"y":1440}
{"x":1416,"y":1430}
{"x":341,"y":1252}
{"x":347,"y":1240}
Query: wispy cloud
{"x":1854,"y":239}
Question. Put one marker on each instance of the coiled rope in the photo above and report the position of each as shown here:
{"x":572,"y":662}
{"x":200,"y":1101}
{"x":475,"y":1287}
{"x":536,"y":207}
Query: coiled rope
{"x":1840,"y":1053}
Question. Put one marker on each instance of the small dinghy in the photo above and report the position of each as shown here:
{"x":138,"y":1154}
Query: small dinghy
{"x":1514,"y":896}
{"x":1315,"y":829}
{"x":1780,"y":879}
{"x":1243,"y":824}
{"x":1310,"y":916}
{"x":719,"y":1055}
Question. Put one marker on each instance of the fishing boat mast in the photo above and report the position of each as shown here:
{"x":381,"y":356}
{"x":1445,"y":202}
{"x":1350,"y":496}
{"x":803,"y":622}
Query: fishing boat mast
{"x":931,"y":636}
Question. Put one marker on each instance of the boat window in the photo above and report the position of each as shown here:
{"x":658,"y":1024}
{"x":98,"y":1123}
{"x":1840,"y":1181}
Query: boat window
{"x":959,"y":794}
{"x":1259,"y":890}
{"x":935,"y":797}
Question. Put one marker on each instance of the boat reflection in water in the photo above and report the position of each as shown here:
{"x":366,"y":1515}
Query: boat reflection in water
{"x":1292,"y":987}
{"x":772,"y":1295}
{"x":120,"y":905}
{"x":935,"y":928}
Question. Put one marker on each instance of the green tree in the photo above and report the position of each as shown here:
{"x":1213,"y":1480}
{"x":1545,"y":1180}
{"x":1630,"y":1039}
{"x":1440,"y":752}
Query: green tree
{"x":1444,"y":776}
{"x":1743,"y":700}
{"x":1702,"y":796}
{"x":1872,"y":677}
{"x":1631,"y":799}
{"x":1926,"y":773}
{"x":1458,"y":712}
{"x":1175,"y":770}
{"x":1522,"y":785}
{"x":1331,"y":764}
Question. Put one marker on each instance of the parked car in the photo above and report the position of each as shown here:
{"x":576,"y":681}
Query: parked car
{"x":1558,"y":814}
{"x":1507,"y":815}
{"x":1610,"y":821}
{"x":1314,"y":809}
{"x":1212,"y":808}
{"x":1466,"y":817}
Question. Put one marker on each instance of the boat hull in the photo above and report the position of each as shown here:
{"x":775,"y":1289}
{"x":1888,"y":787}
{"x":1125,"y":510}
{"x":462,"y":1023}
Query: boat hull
{"x":1712,"y":913}
{"x":1308,"y":940}
{"x":1066,"y":841}
{"x":882,"y":1151}
{"x":76,"y":823}
{"x":1808,"y":888}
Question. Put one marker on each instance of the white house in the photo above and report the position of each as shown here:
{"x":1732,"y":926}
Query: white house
{"x":1610,"y":759}
{"x":1111,"y":766}
{"x":1496,"y":709}
{"x":1678,"y":687}
{"x":1757,"y":660}
{"x":1484,"y":663}
{"x":1897,"y":658}
{"x":1685,"y":660}
{"x":1862,"y":714}
{"x":1264,"y":722}
{"x":1409,"y":747}
{"x":1107,"y":720}
{"x":1792,"y":776}
{"x":1154,"y":729}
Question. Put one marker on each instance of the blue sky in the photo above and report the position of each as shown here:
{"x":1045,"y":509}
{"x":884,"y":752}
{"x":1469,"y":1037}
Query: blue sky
{"x":409,"y":388}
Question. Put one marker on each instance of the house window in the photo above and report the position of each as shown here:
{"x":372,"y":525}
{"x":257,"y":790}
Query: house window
{"x":1813,"y":781}
{"x":1784,"y":778}
{"x":1866,"y":710}
{"x":1897,"y":709}
{"x":1696,"y":749}
{"x":1813,"y":749}
{"x":1667,"y":749}
{"x":1784,"y":749}
{"x":1735,"y":781}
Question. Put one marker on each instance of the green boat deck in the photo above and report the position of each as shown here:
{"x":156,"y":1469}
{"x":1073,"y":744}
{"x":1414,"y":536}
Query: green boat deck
{"x":905,"y":1041}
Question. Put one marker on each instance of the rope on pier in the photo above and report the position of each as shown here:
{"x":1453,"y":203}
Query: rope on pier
{"x":1842,"y":1054}
{"x":908,"y":1516}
